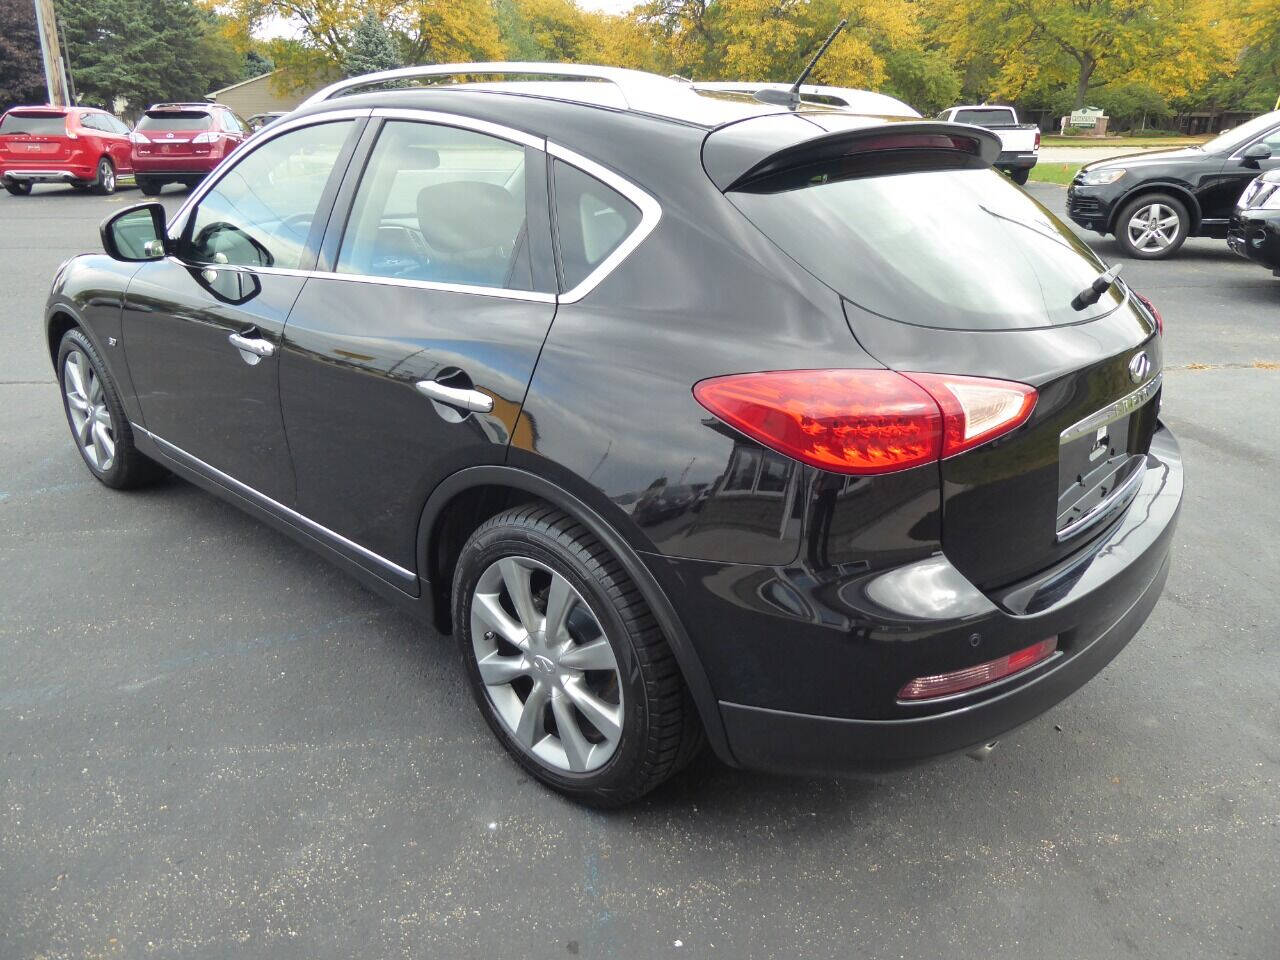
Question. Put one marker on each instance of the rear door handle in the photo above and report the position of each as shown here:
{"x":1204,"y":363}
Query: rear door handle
{"x":252,"y":349}
{"x":471,"y":400}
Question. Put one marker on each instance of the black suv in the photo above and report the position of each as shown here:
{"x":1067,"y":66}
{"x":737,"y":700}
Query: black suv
{"x":1153,"y":201}
{"x":678,"y":410}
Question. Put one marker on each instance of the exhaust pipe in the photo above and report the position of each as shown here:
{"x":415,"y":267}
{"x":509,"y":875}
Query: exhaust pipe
{"x":981,"y":753}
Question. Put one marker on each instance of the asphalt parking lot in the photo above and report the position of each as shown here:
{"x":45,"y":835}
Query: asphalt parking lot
{"x":216,"y":745}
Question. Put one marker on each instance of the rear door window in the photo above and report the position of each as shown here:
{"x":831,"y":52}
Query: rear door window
{"x":40,"y":124}
{"x":592,"y":221}
{"x":962,"y":249}
{"x":440,"y":204}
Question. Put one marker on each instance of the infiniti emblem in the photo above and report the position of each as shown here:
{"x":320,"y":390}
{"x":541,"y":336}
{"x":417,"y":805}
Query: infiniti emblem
{"x":1139,"y":367}
{"x":543,"y":664}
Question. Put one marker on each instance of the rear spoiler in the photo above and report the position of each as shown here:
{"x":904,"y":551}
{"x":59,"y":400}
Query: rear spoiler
{"x":749,"y":149}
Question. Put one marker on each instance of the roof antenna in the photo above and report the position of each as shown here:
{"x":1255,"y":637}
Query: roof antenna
{"x":791,"y":98}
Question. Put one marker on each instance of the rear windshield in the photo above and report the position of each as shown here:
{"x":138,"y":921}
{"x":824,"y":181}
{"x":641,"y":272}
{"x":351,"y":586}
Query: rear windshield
{"x":979,"y":117}
{"x":960,"y":249}
{"x":44,"y":124}
{"x":176,"y":120}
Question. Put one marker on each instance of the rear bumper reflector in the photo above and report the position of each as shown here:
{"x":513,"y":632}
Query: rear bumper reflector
{"x":970,"y":678}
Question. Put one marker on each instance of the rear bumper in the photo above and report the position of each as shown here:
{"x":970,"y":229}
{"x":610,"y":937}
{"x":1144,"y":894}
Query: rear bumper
{"x":186,"y":166}
{"x":50,"y":173}
{"x":1255,"y":235}
{"x":806,"y":665}
{"x":1012,"y":160}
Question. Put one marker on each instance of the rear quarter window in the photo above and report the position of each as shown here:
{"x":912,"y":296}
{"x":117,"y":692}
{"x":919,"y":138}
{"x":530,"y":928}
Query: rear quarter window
{"x":592,"y":220}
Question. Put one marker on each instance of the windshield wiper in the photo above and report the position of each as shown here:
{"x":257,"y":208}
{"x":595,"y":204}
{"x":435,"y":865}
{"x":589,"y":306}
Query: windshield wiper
{"x":1093,"y":293}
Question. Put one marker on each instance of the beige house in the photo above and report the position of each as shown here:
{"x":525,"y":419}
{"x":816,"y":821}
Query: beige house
{"x":257,"y":95}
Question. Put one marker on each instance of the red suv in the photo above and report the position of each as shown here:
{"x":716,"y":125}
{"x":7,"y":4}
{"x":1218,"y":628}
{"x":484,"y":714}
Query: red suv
{"x":181,"y":142}
{"x":82,"y":146}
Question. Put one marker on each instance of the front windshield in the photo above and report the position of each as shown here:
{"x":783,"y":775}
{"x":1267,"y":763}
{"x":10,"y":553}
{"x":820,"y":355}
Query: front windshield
{"x":1239,"y":136}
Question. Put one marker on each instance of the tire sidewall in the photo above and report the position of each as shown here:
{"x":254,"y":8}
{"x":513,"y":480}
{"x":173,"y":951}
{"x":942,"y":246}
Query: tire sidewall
{"x":491,"y":543}
{"x":106,"y":180}
{"x":75,"y":340}
{"x":1130,"y":208}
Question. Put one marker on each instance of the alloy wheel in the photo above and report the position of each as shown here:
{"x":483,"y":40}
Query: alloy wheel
{"x":546,"y":664}
{"x":106,"y":177}
{"x":90,"y":417}
{"x":1153,"y":227}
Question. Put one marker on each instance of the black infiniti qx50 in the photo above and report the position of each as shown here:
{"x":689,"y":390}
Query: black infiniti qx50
{"x":693,"y":418}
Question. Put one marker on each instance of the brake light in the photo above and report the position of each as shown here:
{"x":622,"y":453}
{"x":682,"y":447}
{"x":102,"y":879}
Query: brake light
{"x":1037,"y":146}
{"x":957,"y":681}
{"x":206,"y":137}
{"x":1155,"y":314}
{"x":866,"y":422}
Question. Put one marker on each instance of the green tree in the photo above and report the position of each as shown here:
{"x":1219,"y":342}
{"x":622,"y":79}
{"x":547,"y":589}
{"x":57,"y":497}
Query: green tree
{"x":21,"y":69}
{"x":926,"y":79}
{"x":371,"y":48}
{"x":145,"y":51}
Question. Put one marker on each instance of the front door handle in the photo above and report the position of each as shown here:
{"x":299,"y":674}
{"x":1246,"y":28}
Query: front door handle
{"x":472,"y":401}
{"x":252,"y":349}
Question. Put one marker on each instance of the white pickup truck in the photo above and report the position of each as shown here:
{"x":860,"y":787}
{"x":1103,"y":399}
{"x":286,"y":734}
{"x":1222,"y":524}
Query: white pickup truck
{"x":1019,"y":142}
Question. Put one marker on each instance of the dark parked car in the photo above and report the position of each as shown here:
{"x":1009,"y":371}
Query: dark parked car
{"x":1153,"y":201}
{"x":182,"y":142}
{"x":686,"y":419}
{"x":83,"y":147}
{"x":1255,"y":224}
{"x":260,"y":120}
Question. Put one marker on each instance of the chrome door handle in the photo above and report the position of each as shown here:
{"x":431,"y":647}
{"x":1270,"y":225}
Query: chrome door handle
{"x":471,"y":400}
{"x":255,"y":346}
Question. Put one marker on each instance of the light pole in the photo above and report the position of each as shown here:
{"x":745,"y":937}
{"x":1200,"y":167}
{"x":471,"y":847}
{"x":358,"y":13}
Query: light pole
{"x":55,"y":76}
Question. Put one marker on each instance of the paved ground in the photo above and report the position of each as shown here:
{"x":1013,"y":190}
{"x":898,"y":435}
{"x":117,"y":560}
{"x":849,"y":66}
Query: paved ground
{"x":214,"y":745}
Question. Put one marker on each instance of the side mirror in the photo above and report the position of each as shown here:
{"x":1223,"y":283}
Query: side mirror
{"x":136,"y":233}
{"x":1256,"y":152}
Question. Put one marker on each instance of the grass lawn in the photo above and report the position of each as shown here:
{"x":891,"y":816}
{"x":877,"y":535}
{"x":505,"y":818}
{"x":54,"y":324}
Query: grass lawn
{"x":1055,"y":172}
{"x":1051,"y":141}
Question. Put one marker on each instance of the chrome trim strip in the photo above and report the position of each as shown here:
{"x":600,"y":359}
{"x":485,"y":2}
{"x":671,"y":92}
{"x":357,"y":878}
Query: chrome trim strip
{"x":468,"y":123}
{"x":36,"y":174}
{"x":1104,"y":507}
{"x":650,"y":214}
{"x":1112,"y":411}
{"x":263,"y":500}
{"x":501,"y":292}
{"x":263,"y":136}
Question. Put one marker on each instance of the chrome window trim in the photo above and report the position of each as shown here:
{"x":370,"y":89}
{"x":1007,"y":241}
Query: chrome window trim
{"x":1112,"y":411}
{"x":650,"y":214}
{"x":468,"y":123}
{"x":276,"y":506}
{"x":502,"y":293}
{"x":250,"y":146}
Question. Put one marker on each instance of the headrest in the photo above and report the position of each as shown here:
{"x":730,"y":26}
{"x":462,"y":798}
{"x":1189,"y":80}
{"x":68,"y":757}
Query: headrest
{"x":467,"y":216}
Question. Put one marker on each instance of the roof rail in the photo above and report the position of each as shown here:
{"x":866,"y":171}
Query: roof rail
{"x":639,"y":90}
{"x":193,"y":103}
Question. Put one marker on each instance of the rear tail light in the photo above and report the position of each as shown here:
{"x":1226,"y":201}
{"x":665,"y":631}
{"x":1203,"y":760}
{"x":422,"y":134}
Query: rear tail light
{"x":866,"y":422}
{"x":138,"y":137}
{"x":1155,"y":314}
{"x":957,"y":681}
{"x":207,"y":137}
{"x":1037,"y":140}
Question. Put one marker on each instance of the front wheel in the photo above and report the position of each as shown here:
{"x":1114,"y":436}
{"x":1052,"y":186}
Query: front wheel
{"x":18,"y":188}
{"x":106,"y":179}
{"x":98,"y":423}
{"x":1153,"y":226}
{"x":566,"y":661}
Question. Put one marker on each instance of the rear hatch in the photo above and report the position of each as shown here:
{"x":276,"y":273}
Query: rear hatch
{"x":39,"y":136}
{"x":947,"y":267}
{"x":174,"y":133}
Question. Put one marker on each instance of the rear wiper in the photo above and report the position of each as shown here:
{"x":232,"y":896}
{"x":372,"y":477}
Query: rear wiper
{"x":1093,"y":293}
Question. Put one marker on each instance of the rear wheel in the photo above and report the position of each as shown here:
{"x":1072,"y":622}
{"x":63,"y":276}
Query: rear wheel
{"x":1153,"y":226}
{"x":1020,"y":175}
{"x":149,"y":187}
{"x":98,"y":423}
{"x":566,"y":661}
{"x":18,"y":188}
{"x":106,"y":180}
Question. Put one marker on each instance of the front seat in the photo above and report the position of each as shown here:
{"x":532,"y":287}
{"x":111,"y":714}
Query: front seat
{"x":472,"y":228}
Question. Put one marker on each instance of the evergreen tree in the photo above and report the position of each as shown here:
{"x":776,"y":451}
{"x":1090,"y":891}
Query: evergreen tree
{"x":371,"y":48}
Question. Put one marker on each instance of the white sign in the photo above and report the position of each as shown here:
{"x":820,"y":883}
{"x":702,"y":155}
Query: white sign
{"x":1087,"y":117}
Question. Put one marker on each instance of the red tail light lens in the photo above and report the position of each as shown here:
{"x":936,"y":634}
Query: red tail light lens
{"x":957,"y":681}
{"x":1151,"y":308}
{"x":866,"y":422}
{"x":1037,"y":139}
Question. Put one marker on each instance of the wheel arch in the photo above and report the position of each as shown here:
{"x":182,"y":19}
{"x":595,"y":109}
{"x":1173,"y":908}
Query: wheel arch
{"x":467,"y":498}
{"x":1178,"y":190}
{"x":61,"y":319}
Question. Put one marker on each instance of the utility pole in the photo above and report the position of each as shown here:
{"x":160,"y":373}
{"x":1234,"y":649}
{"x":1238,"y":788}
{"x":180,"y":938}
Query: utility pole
{"x":55,"y":75}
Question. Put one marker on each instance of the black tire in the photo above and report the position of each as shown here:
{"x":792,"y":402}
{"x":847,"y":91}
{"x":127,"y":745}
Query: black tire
{"x":105,"y":182}
{"x":127,"y":468}
{"x":1153,"y":250}
{"x":149,"y":187}
{"x":660,"y":731}
{"x":18,"y":188}
{"x":1020,"y":175}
